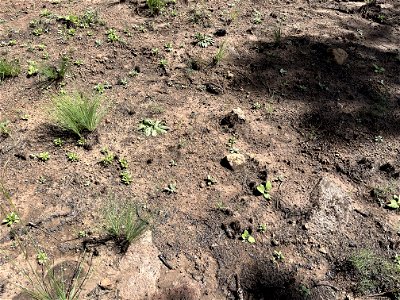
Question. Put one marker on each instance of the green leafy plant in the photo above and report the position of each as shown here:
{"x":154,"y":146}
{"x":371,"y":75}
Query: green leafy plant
{"x":41,"y":257}
{"x":78,"y":113}
{"x":378,"y":69}
{"x":72,"y":156}
{"x":108,"y":157}
{"x":4,"y":129}
{"x":9,"y":69}
{"x":394,"y":202}
{"x":32,"y":68}
{"x":155,"y":6}
{"x":247,"y":237}
{"x":126,"y":177}
{"x":112,"y":35}
{"x":101,"y":87}
{"x":152,"y":127}
{"x":277,"y":35}
{"x":231,"y":145}
{"x":257,"y":17}
{"x":203,"y":40}
{"x":123,"y":222}
{"x":43,"y":156}
{"x":264,"y":189}
{"x":58,"y":142}
{"x":11,"y":218}
{"x":123,"y":162}
{"x":163,"y":63}
{"x":168,"y":47}
{"x":55,"y":73}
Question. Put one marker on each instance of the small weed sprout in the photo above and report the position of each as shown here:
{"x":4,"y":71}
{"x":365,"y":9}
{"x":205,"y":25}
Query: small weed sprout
{"x":262,"y":228}
{"x":277,"y":256}
{"x":123,"y":162}
{"x":203,"y":40}
{"x":41,"y":257}
{"x":32,"y":68}
{"x":168,"y":47}
{"x":264,"y":189}
{"x":112,"y":35}
{"x":11,"y":218}
{"x":152,"y":127}
{"x":4,"y":128}
{"x":108,"y":157}
{"x":163,"y":63}
{"x":78,"y":113}
{"x":126,"y":177}
{"x":277,"y":35}
{"x":257,"y":17}
{"x":394,"y":202}
{"x":9,"y":69}
{"x":378,"y":69}
{"x":247,"y":237}
{"x":72,"y":156}
{"x":58,"y":142}
{"x":43,"y":156}
{"x":123,"y":221}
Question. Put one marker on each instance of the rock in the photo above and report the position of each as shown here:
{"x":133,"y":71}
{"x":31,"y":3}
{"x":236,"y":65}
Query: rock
{"x":106,"y":284}
{"x":229,"y":75}
{"x":330,"y":212}
{"x":139,"y":270}
{"x":235,"y":161}
{"x":339,"y":55}
{"x":214,"y":89}
{"x":324,"y":293}
{"x":235,"y":117}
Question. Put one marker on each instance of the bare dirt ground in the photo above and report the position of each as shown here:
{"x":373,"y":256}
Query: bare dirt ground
{"x":317,"y":83}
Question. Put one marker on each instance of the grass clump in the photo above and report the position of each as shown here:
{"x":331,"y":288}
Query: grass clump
{"x":9,"y":69}
{"x":123,"y":222}
{"x":374,"y":273}
{"x":64,"y":281}
{"x":78,"y":113}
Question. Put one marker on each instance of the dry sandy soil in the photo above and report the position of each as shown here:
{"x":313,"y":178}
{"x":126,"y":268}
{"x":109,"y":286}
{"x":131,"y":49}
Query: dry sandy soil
{"x":317,"y":88}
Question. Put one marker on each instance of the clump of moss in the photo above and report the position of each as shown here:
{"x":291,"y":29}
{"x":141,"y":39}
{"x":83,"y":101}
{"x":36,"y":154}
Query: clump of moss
{"x":374,"y":273}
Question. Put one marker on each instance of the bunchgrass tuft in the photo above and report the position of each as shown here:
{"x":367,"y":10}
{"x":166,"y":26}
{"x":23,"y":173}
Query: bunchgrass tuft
{"x":9,"y":69}
{"x":156,"y":6}
{"x":78,"y":112}
{"x":123,"y":222}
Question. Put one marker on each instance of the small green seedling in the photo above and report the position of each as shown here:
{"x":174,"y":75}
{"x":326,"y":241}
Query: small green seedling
{"x":203,"y":40}
{"x":81,"y":142}
{"x":231,"y":145}
{"x":4,"y":129}
{"x":10,"y":219}
{"x":72,"y":156}
{"x":277,"y":256}
{"x":172,"y":163}
{"x":378,"y":69}
{"x":394,"y":202}
{"x":170,"y":189}
{"x":168,"y":47}
{"x":43,"y":156}
{"x":163,"y":63}
{"x":123,"y":162}
{"x":152,"y":127}
{"x":221,"y":53}
{"x":41,"y":257}
{"x":82,"y":234}
{"x":257,"y":17}
{"x":32,"y":68}
{"x":108,"y":158}
{"x":262,"y":228}
{"x":58,"y":142}
{"x":112,"y":35}
{"x":264,"y":189}
{"x":210,"y":180}
{"x":246,"y":237}
{"x":126,"y":177}
{"x":155,"y":6}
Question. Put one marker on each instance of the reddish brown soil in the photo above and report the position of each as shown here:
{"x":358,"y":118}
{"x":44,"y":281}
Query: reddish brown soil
{"x":317,"y":118}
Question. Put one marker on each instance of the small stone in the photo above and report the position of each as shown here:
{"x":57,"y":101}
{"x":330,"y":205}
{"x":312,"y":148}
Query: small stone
{"x":106,"y":284}
{"x":229,"y":75}
{"x":235,"y":160}
{"x":339,"y":55}
{"x":275,"y":243}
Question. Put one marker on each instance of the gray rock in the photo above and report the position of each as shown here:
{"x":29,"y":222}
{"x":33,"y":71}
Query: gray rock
{"x":139,"y":270}
{"x":235,"y":117}
{"x":339,"y":55}
{"x":330,"y":212}
{"x":235,"y":161}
